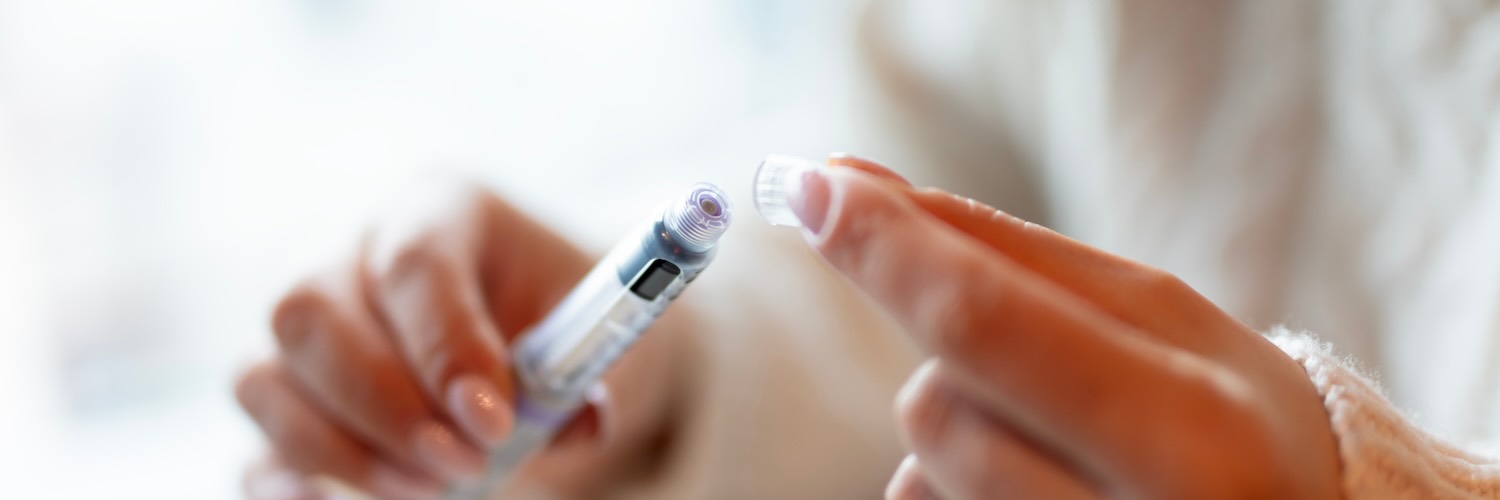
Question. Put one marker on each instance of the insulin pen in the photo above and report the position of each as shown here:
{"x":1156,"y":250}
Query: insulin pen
{"x":557,"y":360}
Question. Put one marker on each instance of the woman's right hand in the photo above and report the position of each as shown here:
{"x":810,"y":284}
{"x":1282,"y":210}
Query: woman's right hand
{"x":392,"y":372}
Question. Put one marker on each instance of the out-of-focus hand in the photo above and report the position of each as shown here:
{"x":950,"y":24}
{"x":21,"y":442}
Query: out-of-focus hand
{"x":392,"y":373}
{"x":1061,"y":371}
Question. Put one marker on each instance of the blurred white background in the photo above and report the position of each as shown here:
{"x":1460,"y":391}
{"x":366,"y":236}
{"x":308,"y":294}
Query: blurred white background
{"x":167,"y":167}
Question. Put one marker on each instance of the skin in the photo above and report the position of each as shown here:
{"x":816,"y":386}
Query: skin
{"x":364,"y":388}
{"x":1057,"y":370}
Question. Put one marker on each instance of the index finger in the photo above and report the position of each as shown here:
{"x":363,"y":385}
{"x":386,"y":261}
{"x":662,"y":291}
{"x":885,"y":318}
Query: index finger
{"x":1126,"y":289}
{"x":431,"y":304}
{"x":1028,"y":349}
{"x":421,"y":275}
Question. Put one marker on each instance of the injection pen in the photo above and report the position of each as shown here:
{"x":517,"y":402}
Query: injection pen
{"x":567,"y":351}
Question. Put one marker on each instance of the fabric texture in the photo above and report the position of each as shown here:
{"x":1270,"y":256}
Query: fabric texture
{"x":1382,"y":453}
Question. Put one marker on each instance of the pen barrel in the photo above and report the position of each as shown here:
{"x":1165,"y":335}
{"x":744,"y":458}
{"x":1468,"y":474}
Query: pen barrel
{"x":603,"y":315}
{"x":570,"y":349}
{"x":537,"y":421}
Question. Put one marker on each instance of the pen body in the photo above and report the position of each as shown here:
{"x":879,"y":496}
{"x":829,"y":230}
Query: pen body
{"x":558,"y":359}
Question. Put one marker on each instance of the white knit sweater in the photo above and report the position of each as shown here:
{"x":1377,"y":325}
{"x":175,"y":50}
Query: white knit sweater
{"x":1383,"y":454}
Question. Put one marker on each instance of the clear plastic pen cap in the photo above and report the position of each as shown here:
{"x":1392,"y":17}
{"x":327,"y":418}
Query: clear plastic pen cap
{"x":778,"y":178}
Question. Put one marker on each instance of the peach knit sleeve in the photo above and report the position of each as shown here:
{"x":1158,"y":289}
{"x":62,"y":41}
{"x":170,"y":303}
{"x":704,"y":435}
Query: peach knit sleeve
{"x":1384,"y":454}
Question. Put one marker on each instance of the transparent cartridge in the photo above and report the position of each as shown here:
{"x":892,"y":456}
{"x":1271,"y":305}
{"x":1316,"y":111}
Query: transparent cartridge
{"x":569,"y":350}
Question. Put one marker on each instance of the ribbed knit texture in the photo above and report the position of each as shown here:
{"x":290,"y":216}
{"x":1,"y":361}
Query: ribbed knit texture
{"x":1383,"y":454}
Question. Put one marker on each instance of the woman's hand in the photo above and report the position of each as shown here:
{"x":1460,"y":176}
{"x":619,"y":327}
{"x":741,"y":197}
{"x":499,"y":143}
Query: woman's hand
{"x":1061,"y":371}
{"x":392,"y":374}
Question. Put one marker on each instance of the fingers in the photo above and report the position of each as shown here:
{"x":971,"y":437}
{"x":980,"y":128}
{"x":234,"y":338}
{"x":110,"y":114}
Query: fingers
{"x":866,"y":166}
{"x":1128,"y":290}
{"x":1003,"y":328}
{"x":909,"y":484}
{"x":398,"y":358}
{"x":967,"y":454}
{"x":587,"y":426}
{"x":426,"y":285}
{"x":340,"y":358}
{"x":454,"y":274}
{"x":525,"y":267}
{"x":312,"y":445}
{"x":1116,"y":284}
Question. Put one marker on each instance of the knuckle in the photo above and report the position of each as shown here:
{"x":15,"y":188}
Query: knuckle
{"x":380,"y":388}
{"x":1159,"y":283}
{"x":924,"y":411}
{"x":296,"y":316}
{"x":482,"y":198}
{"x":412,"y":260}
{"x":435,"y":357}
{"x":388,"y":408}
{"x":954,"y":309}
{"x":251,"y":386}
{"x":965,"y":323}
{"x":857,"y":248}
{"x":1209,"y":406}
{"x":859,"y":221}
{"x":432,"y":223}
{"x":944,"y":293}
{"x":1223,"y":406}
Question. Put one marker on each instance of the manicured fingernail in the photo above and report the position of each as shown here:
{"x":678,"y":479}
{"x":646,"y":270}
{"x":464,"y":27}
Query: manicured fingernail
{"x":792,"y":191}
{"x":480,"y":409}
{"x":446,"y":453}
{"x":778,"y":179}
{"x":810,"y":203}
{"x":389,"y":482}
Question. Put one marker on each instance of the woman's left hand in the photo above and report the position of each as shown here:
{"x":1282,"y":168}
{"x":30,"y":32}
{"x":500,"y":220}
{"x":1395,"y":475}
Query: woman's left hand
{"x":1059,"y":370}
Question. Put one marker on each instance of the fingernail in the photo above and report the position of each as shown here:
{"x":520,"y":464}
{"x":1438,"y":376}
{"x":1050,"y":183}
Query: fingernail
{"x":792,"y":191}
{"x":442,"y":450}
{"x":918,"y":379}
{"x":925,"y":407}
{"x":588,"y":424}
{"x":810,"y":203}
{"x":389,"y":482}
{"x":598,"y":397}
{"x":777,"y":180}
{"x":908,"y":483}
{"x":480,"y":409}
